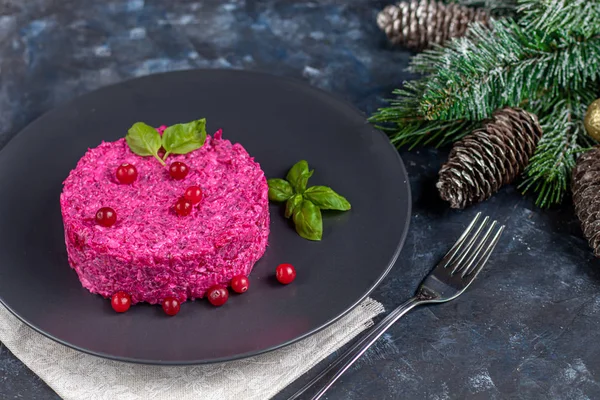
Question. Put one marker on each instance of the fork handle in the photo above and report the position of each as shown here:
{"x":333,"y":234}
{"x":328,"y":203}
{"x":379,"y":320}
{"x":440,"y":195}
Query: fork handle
{"x":349,"y":357}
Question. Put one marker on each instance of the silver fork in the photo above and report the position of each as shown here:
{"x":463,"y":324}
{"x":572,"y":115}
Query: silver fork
{"x":448,"y":280}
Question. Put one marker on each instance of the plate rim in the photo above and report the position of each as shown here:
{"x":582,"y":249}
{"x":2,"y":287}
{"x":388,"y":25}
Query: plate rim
{"x":239,"y":356}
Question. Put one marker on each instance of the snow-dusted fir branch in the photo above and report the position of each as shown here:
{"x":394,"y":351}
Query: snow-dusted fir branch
{"x":409,"y":128}
{"x":573,"y":16}
{"x":546,"y":60}
{"x":548,"y":172}
{"x":427,"y":133}
{"x":497,"y":8}
{"x":477,"y":74}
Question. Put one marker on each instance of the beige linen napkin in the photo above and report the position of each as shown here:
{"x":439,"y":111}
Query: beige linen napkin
{"x":75,"y":376}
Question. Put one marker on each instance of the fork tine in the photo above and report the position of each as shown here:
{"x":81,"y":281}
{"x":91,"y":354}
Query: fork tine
{"x":456,"y":246}
{"x":475,"y":254}
{"x":467,"y":248}
{"x":486,"y":254}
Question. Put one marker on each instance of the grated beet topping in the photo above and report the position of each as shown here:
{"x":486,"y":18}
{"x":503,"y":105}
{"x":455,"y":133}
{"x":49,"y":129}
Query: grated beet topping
{"x":152,"y":253}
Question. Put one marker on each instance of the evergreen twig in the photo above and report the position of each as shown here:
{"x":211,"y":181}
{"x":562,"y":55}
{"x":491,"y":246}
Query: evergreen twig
{"x":548,"y":172}
{"x":546,"y":60}
{"x":497,"y":7}
{"x":475,"y":75}
{"x":573,"y":16}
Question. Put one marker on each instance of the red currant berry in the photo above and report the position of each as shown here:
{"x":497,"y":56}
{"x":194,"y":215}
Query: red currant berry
{"x":183,"y":207}
{"x":161,"y":152}
{"x":171,"y":306}
{"x":285,"y":273}
{"x":178,"y":170}
{"x":193,"y":194}
{"x":127,"y":174}
{"x":217,"y":295}
{"x":120,"y":301}
{"x":240,"y":283}
{"x":106,"y":217}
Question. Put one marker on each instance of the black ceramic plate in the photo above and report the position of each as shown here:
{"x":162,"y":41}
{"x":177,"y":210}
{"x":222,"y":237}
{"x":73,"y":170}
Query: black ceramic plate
{"x":279,"y":122}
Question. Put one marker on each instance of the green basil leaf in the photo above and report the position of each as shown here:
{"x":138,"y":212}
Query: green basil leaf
{"x":308,"y":221}
{"x":143,"y":139}
{"x":291,"y":204}
{"x":304,"y":180}
{"x":298,"y":176}
{"x":279,"y":189}
{"x":184,"y":138}
{"x":326,"y":198}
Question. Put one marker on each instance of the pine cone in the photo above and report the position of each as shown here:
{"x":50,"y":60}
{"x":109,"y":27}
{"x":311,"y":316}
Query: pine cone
{"x":419,"y":24}
{"x":491,"y":156}
{"x":586,"y":186}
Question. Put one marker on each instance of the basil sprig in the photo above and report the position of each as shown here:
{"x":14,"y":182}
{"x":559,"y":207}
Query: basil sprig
{"x":292,"y":203}
{"x":304,"y":204}
{"x":326,"y":199}
{"x":280,"y":189}
{"x":144,"y":140}
{"x":184,"y":138}
{"x":298,"y":176}
{"x":308,"y":221}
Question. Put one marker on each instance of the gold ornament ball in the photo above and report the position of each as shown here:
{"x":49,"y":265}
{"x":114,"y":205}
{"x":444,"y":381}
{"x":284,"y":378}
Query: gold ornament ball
{"x":592,"y":120}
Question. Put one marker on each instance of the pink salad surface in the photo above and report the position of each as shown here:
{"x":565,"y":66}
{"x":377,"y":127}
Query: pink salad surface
{"x":151,"y":252}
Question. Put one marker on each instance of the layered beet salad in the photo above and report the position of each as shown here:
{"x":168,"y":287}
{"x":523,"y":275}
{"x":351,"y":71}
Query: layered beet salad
{"x":164,"y":219}
{"x":171,"y":214}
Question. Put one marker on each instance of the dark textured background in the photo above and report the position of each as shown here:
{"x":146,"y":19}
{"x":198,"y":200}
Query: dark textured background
{"x":528,"y":329}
